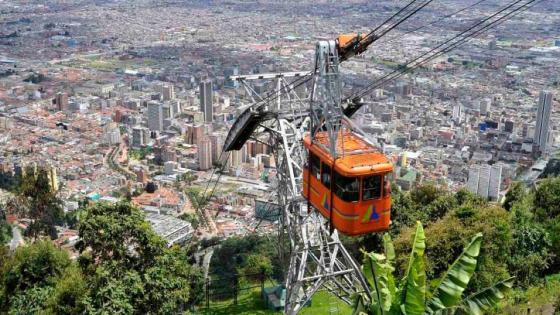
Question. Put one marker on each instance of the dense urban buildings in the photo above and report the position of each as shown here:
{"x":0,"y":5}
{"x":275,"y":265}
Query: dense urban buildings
{"x":117,"y":96}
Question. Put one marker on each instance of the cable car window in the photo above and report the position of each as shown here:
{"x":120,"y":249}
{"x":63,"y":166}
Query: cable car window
{"x":326,"y":175}
{"x":387,"y":184}
{"x":315,"y":165}
{"x":347,"y":188}
{"x":372,"y":187}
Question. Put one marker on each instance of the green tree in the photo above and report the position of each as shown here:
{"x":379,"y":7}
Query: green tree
{"x":119,"y":233}
{"x":547,"y":199}
{"x":30,"y":274}
{"x":425,"y":194}
{"x":464,"y":196}
{"x":440,"y":206}
{"x":236,"y":251}
{"x":130,"y":268}
{"x":30,"y":301}
{"x":192,"y":218}
{"x":530,"y":255}
{"x":455,"y":229}
{"x":70,"y":293}
{"x":403,"y":211}
{"x":257,"y":265}
{"x":515,"y":194}
{"x":411,"y":294}
{"x":36,"y":200}
{"x":188,"y":178}
{"x":547,"y":211}
{"x":113,"y":290}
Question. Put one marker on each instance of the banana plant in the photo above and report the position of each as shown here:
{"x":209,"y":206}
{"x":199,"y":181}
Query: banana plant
{"x":408,"y":295}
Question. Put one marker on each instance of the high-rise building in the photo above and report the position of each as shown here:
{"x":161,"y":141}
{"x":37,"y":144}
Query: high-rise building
{"x":204,"y":154}
{"x":495,"y":182}
{"x":6,"y":123}
{"x":176,"y":107}
{"x":139,"y":137}
{"x":167,"y":111}
{"x":112,"y":135}
{"x":206,"y":100}
{"x":217,"y":141}
{"x":155,"y":116}
{"x":235,"y":159}
{"x":457,"y":113}
{"x":53,"y":179}
{"x":543,"y":120}
{"x":403,"y":88}
{"x":485,"y":106}
{"x":485,"y":181}
{"x":230,"y":72}
{"x":195,"y":133}
{"x":508,"y":126}
{"x":168,"y":92}
{"x":61,"y":101}
{"x":472,"y":183}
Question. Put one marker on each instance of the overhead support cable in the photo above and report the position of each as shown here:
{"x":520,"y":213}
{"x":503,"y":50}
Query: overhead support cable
{"x":389,"y":24}
{"x":434,"y":22}
{"x":354,"y":102}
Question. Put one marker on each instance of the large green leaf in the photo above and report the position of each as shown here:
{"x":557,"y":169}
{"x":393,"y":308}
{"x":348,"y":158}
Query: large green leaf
{"x":379,"y":275}
{"x":389,"y":248}
{"x":448,"y":293}
{"x":482,"y":301}
{"x":413,"y":287}
{"x":390,"y":254}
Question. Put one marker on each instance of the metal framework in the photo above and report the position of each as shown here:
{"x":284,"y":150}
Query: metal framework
{"x":317,"y":258}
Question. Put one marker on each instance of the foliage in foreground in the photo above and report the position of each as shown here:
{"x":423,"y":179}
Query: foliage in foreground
{"x":252,"y":254}
{"x":124,"y":267}
{"x":410,"y":295}
{"x":36,"y":200}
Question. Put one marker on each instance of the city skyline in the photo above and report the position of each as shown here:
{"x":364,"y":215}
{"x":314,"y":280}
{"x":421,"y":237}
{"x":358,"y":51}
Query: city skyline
{"x":192,"y":124}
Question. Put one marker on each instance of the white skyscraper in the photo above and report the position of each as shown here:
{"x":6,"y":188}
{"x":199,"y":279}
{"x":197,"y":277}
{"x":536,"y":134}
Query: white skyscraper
{"x":485,"y":181}
{"x":235,"y":159}
{"x":176,"y":107}
{"x":155,"y":116}
{"x":472,"y":183}
{"x":206,"y":100}
{"x":217,"y":141}
{"x":485,"y":106}
{"x":495,"y":182}
{"x":457,"y":113}
{"x":168,"y":92}
{"x":543,"y":120}
{"x":204,"y":154}
{"x":139,"y":137}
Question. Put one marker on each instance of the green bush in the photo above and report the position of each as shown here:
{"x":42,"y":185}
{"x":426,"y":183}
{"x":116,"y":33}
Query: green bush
{"x":30,"y":273}
{"x":449,"y":234}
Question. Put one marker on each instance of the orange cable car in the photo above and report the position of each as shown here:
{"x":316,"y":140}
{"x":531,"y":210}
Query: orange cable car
{"x":357,"y":188}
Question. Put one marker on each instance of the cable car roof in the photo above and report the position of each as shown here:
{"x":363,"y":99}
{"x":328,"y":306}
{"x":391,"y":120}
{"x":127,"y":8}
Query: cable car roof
{"x":356,"y":157}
